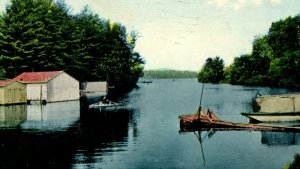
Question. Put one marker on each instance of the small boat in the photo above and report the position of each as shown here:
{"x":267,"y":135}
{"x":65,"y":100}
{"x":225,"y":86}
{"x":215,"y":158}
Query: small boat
{"x":206,"y":121}
{"x":105,"y":104}
{"x":146,"y":81}
{"x":272,"y":117}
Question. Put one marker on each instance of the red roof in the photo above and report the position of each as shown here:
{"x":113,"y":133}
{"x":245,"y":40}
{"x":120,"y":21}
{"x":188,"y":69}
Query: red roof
{"x":36,"y":77}
{"x":5,"y":82}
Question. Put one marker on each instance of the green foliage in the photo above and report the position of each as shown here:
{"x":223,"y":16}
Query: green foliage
{"x":284,"y":71}
{"x":295,"y":164}
{"x":274,"y":61}
{"x":284,"y":36}
{"x":227,"y":73}
{"x":42,"y":36}
{"x":212,"y":71}
{"x":169,"y":74}
{"x":249,"y":70}
{"x":275,"y":58}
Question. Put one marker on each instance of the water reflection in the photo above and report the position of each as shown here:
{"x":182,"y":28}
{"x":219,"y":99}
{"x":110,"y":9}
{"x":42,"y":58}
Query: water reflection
{"x":269,"y":138}
{"x":12,"y":116}
{"x":65,"y":135}
{"x":44,"y":137}
{"x":201,"y":137}
{"x":52,"y":116}
{"x":62,"y":135}
{"x":101,"y":134}
{"x":280,"y":138}
{"x":29,"y":150}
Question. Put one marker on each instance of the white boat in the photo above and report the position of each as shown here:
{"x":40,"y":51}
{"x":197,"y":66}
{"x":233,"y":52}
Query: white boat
{"x":273,"y":117}
{"x":105,"y":104}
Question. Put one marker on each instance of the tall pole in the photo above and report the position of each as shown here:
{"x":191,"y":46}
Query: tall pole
{"x":199,"y":108}
{"x":41,"y":94}
{"x":201,"y":94}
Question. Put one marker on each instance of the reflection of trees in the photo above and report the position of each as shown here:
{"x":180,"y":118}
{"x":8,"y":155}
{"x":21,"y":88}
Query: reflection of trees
{"x":102,"y":132}
{"x":28,"y":150}
{"x":295,"y":164}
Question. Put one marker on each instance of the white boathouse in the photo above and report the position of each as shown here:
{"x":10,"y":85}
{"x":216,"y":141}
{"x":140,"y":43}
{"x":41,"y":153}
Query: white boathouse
{"x":51,"y":86}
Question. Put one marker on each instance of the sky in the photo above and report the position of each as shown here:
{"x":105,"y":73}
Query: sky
{"x":182,"y":34}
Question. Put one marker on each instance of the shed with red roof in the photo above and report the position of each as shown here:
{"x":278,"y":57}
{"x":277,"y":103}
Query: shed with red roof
{"x":51,"y":86}
{"x":12,"y":92}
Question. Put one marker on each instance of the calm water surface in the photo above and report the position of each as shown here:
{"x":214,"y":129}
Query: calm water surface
{"x":144,"y":134}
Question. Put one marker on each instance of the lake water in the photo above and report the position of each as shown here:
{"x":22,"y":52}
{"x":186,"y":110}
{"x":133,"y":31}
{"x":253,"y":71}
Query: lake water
{"x":143,"y":134}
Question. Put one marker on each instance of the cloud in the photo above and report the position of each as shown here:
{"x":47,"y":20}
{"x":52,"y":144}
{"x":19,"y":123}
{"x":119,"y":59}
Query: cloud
{"x":218,"y":3}
{"x":238,"y":4}
{"x":275,"y":2}
{"x":231,"y":4}
{"x":257,"y":2}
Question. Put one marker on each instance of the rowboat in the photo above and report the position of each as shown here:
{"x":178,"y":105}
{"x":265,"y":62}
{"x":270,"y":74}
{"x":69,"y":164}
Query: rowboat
{"x":273,"y":117}
{"x":105,"y":104}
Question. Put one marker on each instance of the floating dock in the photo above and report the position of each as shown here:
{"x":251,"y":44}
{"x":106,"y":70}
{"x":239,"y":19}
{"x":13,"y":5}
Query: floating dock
{"x":205,"y":121}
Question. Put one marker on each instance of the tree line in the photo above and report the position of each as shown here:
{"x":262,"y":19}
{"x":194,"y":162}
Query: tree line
{"x":42,"y":35}
{"x":274,"y":60}
{"x":169,"y":74}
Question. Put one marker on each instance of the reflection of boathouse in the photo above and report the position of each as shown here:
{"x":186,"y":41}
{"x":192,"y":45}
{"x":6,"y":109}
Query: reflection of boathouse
{"x":50,"y":86}
{"x":12,"y":116}
{"x":52,"y":117}
{"x":12,"y":92}
{"x":280,"y":138}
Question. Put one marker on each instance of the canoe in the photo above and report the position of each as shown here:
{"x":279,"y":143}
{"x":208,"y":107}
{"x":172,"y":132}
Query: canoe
{"x":272,"y":117}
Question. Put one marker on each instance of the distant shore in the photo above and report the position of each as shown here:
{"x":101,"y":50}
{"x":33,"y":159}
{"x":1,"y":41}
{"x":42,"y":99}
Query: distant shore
{"x":169,"y":74}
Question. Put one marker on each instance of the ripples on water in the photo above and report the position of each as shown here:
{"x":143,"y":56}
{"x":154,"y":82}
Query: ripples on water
{"x":144,"y":133}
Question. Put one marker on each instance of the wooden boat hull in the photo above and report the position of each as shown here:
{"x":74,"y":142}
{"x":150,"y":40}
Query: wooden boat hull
{"x":206,"y":122}
{"x":273,"y":117}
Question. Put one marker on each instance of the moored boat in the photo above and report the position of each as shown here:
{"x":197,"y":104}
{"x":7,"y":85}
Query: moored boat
{"x":273,"y":117}
{"x":105,"y":104}
{"x":207,"y":120}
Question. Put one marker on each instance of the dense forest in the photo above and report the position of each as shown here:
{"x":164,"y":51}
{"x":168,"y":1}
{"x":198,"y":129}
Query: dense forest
{"x":169,"y":74}
{"x":274,"y":60}
{"x":42,"y":35}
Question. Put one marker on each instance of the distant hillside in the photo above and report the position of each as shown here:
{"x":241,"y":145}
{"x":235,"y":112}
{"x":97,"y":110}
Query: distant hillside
{"x":169,"y":74}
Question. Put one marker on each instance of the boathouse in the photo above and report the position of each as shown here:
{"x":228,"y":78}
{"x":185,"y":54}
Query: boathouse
{"x":51,"y":86}
{"x":12,"y":92}
{"x":94,"y":88}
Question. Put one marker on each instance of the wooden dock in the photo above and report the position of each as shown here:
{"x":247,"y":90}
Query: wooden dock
{"x":206,"y":121}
